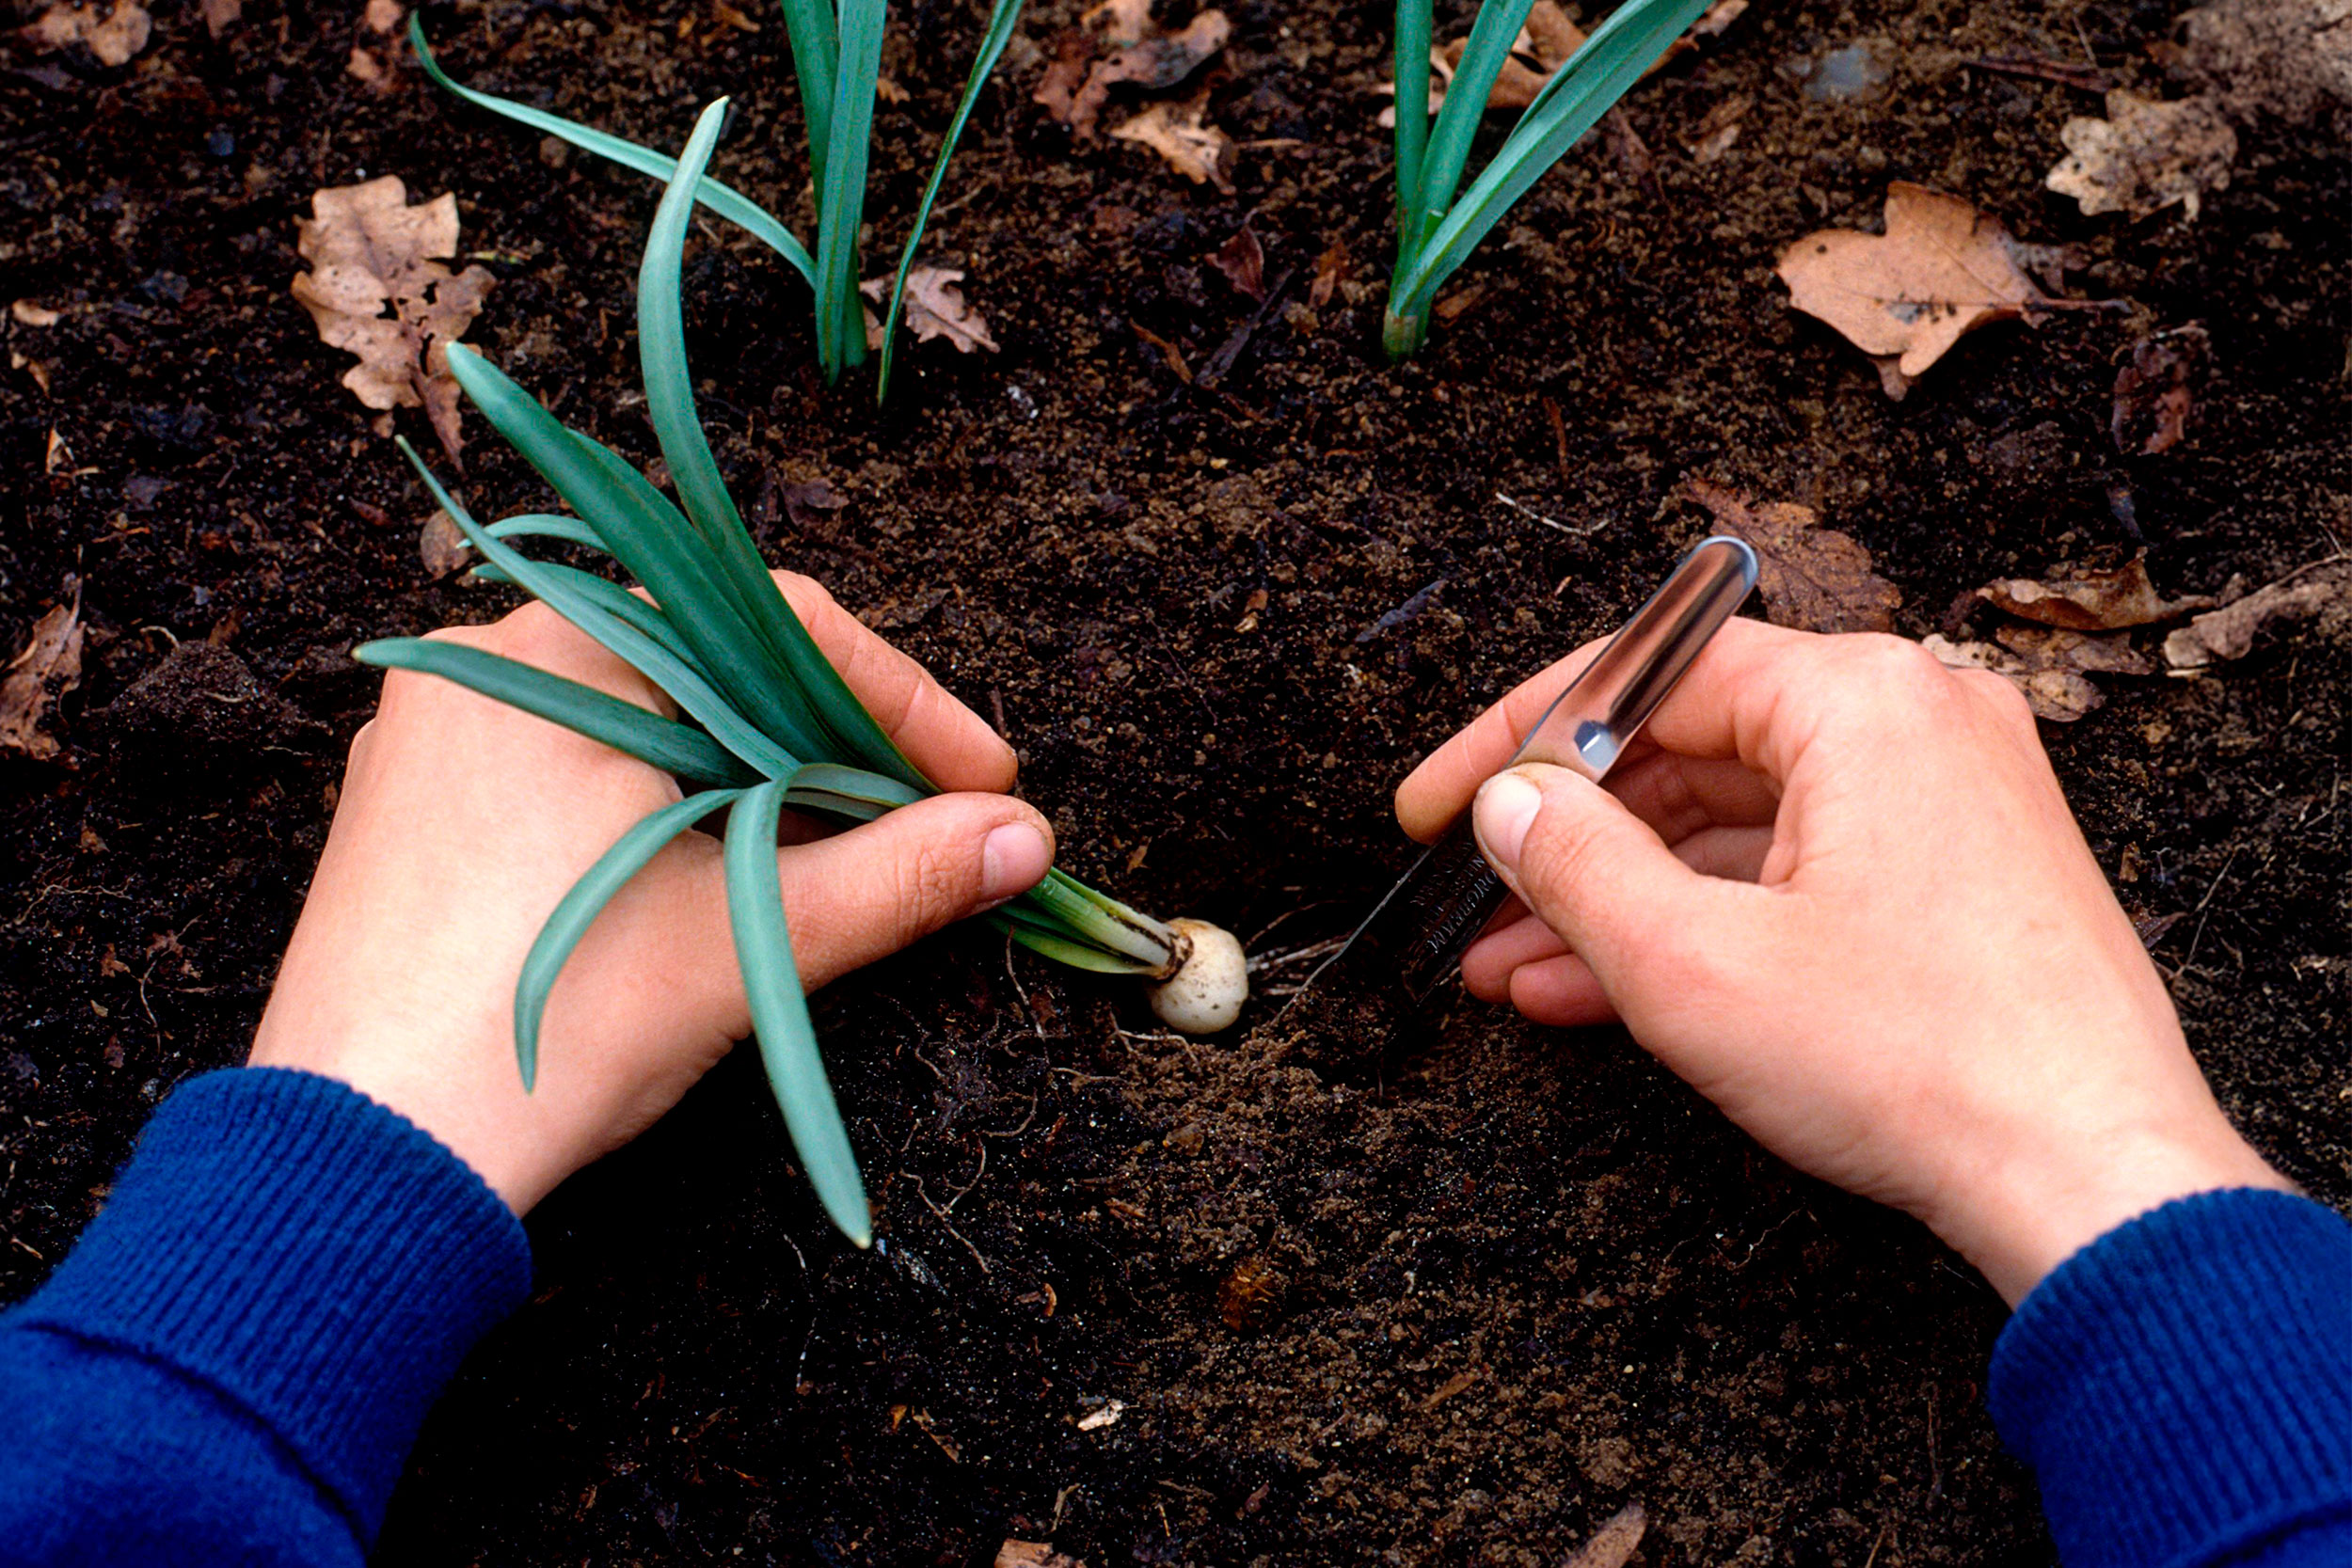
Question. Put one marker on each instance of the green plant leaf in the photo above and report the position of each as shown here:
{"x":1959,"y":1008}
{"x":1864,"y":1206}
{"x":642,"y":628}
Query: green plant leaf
{"x":552,"y":948}
{"x":841,"y":198}
{"x":787,"y":1038}
{"x":1098,"y":919}
{"x":546,"y":525}
{"x":809,"y":26}
{"x":1578,"y":94}
{"x":1002,"y":20}
{"x":1411,"y":71}
{"x":1491,"y":39}
{"x":728,"y":203}
{"x":1064,"y":950}
{"x":665,"y":743}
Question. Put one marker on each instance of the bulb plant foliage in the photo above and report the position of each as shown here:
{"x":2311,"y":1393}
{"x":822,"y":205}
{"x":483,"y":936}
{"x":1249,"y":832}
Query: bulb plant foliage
{"x":837,"y":58}
{"x":1435,"y":231}
{"x":768,"y":723}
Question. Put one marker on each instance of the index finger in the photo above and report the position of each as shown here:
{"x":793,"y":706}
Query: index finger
{"x":1730,"y":691}
{"x":951,"y":744}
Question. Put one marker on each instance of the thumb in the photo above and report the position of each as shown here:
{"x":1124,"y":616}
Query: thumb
{"x":865,"y":893}
{"x":1600,"y":879}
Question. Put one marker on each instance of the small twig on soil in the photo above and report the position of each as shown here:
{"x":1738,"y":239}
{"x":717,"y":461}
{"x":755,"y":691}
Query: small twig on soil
{"x":2203,"y":915}
{"x":962,"y":1191}
{"x":1021,"y":992}
{"x":1016,"y":1131}
{"x":943,"y":1220}
{"x":1535,"y":517}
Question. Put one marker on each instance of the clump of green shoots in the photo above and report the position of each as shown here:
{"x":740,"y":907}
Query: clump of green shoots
{"x":769,"y":722}
{"x":836,"y":57}
{"x":1435,"y":233}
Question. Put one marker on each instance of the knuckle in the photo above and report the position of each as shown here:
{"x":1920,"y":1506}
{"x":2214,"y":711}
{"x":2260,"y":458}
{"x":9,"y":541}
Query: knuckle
{"x":931,"y":885}
{"x":532,"y":632}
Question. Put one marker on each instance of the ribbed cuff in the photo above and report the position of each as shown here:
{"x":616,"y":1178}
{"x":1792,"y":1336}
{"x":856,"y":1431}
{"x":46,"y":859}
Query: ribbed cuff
{"x":2183,"y":1387}
{"x":315,"y":1256}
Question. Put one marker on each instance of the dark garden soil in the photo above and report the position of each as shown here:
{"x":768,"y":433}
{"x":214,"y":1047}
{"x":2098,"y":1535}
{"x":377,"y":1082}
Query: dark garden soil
{"x":1457,"y":1309}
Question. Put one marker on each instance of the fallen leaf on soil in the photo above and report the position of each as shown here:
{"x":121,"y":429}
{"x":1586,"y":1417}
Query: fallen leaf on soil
{"x":935,"y":307}
{"x":1169,"y":353}
{"x":2090,"y":601}
{"x":1906,"y":296}
{"x":113,"y":36}
{"x":1613,"y":1543}
{"x":1330,"y":268}
{"x":31,"y":312}
{"x":1720,"y":15}
{"x":1121,"y":21}
{"x":805,"y":498}
{"x":1242,"y":260}
{"x":376,"y":287}
{"x":2049,"y":665}
{"x":1712,"y":136}
{"x":1034,"y":1553}
{"x":2152,"y":394}
{"x":1154,"y":64}
{"x":1057,"y":89}
{"x":48,"y":667}
{"x":2292,"y":58}
{"x":1104,"y":1415}
{"x":1812,"y":577}
{"x":221,"y":15}
{"x":2321,"y":592}
{"x":2145,"y":156}
{"x":1174,"y":131}
{"x":440,"y":546}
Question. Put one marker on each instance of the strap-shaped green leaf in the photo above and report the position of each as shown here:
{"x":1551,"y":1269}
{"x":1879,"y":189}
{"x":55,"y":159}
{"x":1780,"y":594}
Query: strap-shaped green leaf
{"x":614,"y":599}
{"x":1098,"y":919}
{"x":788,"y":1038}
{"x":1411,"y":73}
{"x":1063,"y":950}
{"x":728,"y":203}
{"x":1002,"y":20}
{"x":1579,"y":93}
{"x":548,"y":524}
{"x":552,"y":948}
{"x":841,"y":198}
{"x":809,"y":26}
{"x":665,"y":743}
{"x":1482,"y":58}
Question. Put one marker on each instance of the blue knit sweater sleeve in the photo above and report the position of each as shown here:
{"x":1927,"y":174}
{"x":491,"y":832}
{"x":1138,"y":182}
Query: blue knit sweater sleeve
{"x":232,"y":1365}
{"x":2183,"y":1388}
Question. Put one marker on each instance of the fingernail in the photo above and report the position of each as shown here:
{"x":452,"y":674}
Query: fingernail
{"x":1506,"y":807}
{"x":1012,"y":858}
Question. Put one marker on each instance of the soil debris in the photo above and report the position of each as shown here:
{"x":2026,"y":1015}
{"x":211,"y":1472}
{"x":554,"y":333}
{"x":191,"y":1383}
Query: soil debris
{"x":935,"y":307}
{"x":1252,"y":1294}
{"x":2051,"y":665}
{"x":32,"y":313}
{"x":1154,"y":63}
{"x":45,"y":668}
{"x":1612,"y":1544}
{"x":2320,"y":591}
{"x":1034,"y":1553}
{"x":2145,"y":156}
{"x":1906,"y":296}
{"x":1201,"y":152}
{"x":1331,"y":270}
{"x":1713,"y":135}
{"x":2153,"y":397}
{"x":440,"y":546}
{"x":221,"y":15}
{"x":1242,"y":260}
{"x":2093,"y":600}
{"x":1812,"y":577}
{"x":2292,"y":58}
{"x":2066,"y":74}
{"x":112,"y":35}
{"x":376,"y":287}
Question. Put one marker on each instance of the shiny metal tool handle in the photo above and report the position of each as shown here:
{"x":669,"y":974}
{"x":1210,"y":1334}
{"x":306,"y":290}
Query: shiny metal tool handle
{"x":1437,"y":910}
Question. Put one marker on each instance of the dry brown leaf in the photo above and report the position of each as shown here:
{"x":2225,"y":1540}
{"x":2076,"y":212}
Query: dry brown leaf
{"x":2320,"y":591}
{"x":1175,"y":131}
{"x":2052,"y":667}
{"x":1613,"y":1543}
{"x":1720,"y":15}
{"x":1907,"y":295}
{"x":376,"y":287}
{"x":440,"y":546}
{"x":1812,"y":577}
{"x":1034,"y":1553}
{"x":1121,"y":22}
{"x":32,"y":312}
{"x":1330,"y":269}
{"x":48,"y":667}
{"x":112,"y":34}
{"x":935,"y":307}
{"x":2145,"y":156}
{"x":1154,"y":64}
{"x":2106,"y":600}
{"x":221,"y":15}
{"x":1242,"y":260}
{"x":1057,"y":89}
{"x":1712,"y":136}
{"x":2152,"y":396}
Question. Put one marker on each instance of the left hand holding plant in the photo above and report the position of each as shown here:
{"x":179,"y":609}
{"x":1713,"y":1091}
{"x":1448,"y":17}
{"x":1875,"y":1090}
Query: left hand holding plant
{"x":464,"y":821}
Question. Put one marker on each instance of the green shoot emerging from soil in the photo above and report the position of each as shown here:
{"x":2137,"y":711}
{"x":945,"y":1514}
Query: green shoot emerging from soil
{"x":1435,"y":233}
{"x":836,"y":56}
{"x":772,"y":724}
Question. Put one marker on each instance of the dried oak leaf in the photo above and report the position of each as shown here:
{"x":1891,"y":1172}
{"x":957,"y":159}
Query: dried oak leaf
{"x":1812,"y":577}
{"x":2152,"y":396}
{"x":1906,"y":296}
{"x":2320,"y":591}
{"x":376,"y":287}
{"x":936,"y":308}
{"x":2095,"y":600}
{"x":1121,"y":22}
{"x":112,"y":34}
{"x":1154,"y":64}
{"x":1175,"y":131}
{"x":1057,"y":89}
{"x":1613,"y":1543}
{"x":2145,"y":156}
{"x":48,"y":667}
{"x":2051,"y":665}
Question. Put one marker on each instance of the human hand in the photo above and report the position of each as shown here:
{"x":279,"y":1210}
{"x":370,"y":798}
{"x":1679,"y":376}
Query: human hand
{"x":1835,"y":886}
{"x":462,"y":821}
